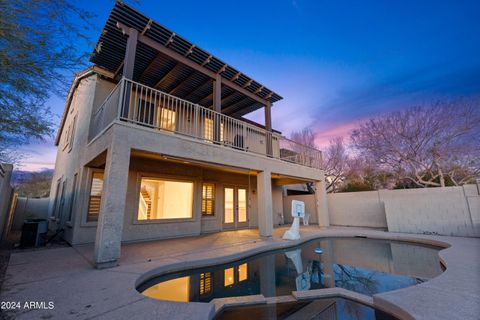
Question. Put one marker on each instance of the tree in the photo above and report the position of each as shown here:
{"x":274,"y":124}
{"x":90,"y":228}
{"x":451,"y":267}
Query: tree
{"x":336,"y":164}
{"x":36,"y":51}
{"x":335,"y":158}
{"x":426,"y":145}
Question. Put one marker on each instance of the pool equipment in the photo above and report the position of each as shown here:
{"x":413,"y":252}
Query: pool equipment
{"x":298,"y":211}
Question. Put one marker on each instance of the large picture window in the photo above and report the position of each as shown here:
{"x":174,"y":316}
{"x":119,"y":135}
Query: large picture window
{"x":165,"y":199}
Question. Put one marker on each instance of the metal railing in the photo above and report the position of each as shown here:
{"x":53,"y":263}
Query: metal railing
{"x":136,"y":103}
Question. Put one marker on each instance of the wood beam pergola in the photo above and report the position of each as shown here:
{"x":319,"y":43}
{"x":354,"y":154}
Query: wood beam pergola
{"x":180,"y":58}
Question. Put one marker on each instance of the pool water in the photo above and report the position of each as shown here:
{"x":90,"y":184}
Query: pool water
{"x":336,"y":308}
{"x":366,"y":266}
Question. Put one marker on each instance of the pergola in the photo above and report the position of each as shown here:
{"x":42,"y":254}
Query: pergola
{"x":140,"y":49}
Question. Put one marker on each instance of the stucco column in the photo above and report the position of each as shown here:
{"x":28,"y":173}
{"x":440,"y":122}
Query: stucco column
{"x":327,"y":261}
{"x":321,"y":203}
{"x":266,"y":271}
{"x":264,"y":198}
{"x":110,"y":221}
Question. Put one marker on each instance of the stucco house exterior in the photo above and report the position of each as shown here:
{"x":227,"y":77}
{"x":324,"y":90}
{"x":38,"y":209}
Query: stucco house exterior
{"x":153,"y":144}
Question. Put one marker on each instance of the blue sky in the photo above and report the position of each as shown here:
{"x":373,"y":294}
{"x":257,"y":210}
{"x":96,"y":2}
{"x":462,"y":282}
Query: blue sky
{"x":336,"y":63}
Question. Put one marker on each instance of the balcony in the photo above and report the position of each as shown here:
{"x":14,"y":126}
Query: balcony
{"x":144,"y":106}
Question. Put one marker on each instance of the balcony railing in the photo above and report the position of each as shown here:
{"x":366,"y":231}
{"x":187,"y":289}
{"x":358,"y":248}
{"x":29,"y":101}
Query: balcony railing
{"x":144,"y":106}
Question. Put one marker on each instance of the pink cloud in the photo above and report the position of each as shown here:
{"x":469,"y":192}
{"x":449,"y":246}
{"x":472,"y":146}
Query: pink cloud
{"x":323,"y":137}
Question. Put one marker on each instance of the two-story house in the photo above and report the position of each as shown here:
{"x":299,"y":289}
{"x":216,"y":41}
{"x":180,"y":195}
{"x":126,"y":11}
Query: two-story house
{"x":153,"y":144}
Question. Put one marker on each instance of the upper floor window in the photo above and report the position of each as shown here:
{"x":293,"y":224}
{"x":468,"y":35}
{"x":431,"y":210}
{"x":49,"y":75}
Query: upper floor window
{"x":209,"y":130}
{"x":166,"y":119}
{"x":70,"y":134}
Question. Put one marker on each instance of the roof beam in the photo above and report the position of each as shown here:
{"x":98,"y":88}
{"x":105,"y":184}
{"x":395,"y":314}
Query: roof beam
{"x":190,"y":50}
{"x":222,"y":69}
{"x":189,"y":77}
{"x":259,"y":90}
{"x":171,"y":39}
{"x":248,"y":84}
{"x":223,"y":98}
{"x":166,"y":75}
{"x":207,"y":61}
{"x":229,"y":109}
{"x":147,"y":27}
{"x":200,"y":88}
{"x":180,"y":58}
{"x":236,"y":76}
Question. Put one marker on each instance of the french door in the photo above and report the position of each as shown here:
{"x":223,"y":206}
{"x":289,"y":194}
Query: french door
{"x":235,"y":213}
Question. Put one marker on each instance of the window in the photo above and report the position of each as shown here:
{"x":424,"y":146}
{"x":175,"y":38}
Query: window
{"x":208,"y":199}
{"x":166,"y":119}
{"x":60,"y":213}
{"x":69,"y":134}
{"x":165,"y":199}
{"x":228,"y":277}
{"x":205,"y":283}
{"x":56,"y":201}
{"x":242,"y":272}
{"x":72,"y":134}
{"x":235,"y":275}
{"x":94,"y":201}
{"x":72,"y":197}
{"x":208,"y":131}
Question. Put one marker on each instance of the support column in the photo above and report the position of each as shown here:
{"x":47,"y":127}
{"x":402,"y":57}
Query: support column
{"x":321,"y":203}
{"x":264,"y":199}
{"x":268,"y":127}
{"x":217,"y":106}
{"x":130,"y":51}
{"x":110,"y":221}
{"x":128,"y":67}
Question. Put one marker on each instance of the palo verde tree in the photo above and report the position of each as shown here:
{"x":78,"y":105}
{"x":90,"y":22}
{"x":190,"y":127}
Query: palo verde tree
{"x":427,"y":146}
{"x":40,"y":42}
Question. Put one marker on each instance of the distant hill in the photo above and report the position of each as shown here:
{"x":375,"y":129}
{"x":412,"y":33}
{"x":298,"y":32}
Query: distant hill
{"x":32,"y":184}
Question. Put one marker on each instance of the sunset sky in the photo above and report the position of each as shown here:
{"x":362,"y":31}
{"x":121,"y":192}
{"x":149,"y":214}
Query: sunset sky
{"x":336,"y":63}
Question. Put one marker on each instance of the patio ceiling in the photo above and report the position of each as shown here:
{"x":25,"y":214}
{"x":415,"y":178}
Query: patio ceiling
{"x":168,"y":62}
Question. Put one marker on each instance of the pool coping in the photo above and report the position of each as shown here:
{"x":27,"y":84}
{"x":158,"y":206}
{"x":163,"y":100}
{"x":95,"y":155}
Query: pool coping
{"x":376,"y":301}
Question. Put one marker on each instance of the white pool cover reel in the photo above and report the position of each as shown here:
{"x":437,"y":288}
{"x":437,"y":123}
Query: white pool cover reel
{"x":298,"y":211}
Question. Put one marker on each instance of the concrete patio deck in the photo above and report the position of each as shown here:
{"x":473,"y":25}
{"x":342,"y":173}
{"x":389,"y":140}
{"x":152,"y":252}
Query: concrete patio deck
{"x":66,"y":276}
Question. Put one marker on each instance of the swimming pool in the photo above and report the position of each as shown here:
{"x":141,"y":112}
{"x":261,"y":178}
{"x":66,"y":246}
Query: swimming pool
{"x":332,"y":308}
{"x":366,"y":266}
